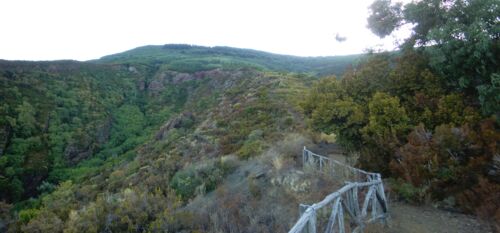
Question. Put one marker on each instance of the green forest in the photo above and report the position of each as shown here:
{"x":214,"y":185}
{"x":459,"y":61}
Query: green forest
{"x":177,"y":138}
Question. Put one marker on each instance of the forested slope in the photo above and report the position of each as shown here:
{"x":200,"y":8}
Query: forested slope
{"x":76,"y":132}
{"x":188,"y":58}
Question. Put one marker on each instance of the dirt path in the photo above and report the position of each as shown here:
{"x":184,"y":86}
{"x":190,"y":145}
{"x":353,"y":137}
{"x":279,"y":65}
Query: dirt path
{"x":406,"y":218}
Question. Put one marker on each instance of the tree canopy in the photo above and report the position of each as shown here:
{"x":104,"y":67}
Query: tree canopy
{"x":461,"y":38}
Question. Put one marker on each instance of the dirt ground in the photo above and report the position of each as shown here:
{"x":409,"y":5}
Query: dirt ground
{"x":406,"y":218}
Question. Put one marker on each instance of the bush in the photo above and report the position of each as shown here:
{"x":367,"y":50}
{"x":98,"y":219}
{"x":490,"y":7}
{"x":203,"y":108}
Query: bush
{"x":407,"y":191}
{"x":483,"y":200}
{"x":228,"y":163}
{"x":292,"y":145}
{"x":130,"y":210}
{"x":26,"y":215}
{"x":250,"y":148}
{"x":202,"y":178}
{"x":185,"y":183}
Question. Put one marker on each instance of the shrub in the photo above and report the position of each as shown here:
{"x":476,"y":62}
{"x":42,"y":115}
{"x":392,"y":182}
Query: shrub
{"x":407,"y":191}
{"x":484,"y":200}
{"x":250,"y":148}
{"x":253,"y":187}
{"x":46,"y":187}
{"x":228,"y":163}
{"x":45,"y":221}
{"x":26,"y":215}
{"x":201,"y":178}
{"x":185,"y":183}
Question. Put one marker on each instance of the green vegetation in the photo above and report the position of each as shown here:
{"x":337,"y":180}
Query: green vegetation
{"x":422,"y":117}
{"x":63,"y":120}
{"x":191,"y":58}
{"x":182,"y":138}
{"x":95,"y":146}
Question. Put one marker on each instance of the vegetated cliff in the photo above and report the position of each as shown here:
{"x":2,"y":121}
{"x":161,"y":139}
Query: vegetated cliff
{"x":128,"y":134}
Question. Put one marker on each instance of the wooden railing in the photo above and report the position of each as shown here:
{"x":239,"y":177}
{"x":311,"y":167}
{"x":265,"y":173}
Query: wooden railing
{"x":365,"y":194}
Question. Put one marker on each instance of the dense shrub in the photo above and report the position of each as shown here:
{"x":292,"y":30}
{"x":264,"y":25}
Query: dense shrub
{"x":201,"y":178}
{"x":434,"y":140}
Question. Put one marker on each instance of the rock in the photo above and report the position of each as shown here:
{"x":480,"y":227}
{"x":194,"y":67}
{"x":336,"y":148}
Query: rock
{"x":80,"y":148}
{"x":156,"y":86}
{"x":132,"y":69}
{"x":258,"y":174}
{"x":182,"y":77}
{"x":183,"y":120}
{"x":75,"y":153}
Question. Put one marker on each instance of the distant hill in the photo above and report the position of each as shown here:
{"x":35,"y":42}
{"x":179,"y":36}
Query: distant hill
{"x":165,"y":123}
{"x":192,"y":58}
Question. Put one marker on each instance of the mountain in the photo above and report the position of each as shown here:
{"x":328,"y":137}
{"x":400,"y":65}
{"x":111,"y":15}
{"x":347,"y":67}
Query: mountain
{"x":190,"y":58}
{"x":158,"y":124}
{"x":182,"y":138}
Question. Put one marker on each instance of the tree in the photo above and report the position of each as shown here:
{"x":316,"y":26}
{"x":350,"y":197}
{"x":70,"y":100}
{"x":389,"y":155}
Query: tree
{"x":384,"y":17}
{"x":461,"y":38}
{"x":387,"y":125}
{"x":386,"y":117}
{"x":26,"y":122}
{"x":331,"y":110}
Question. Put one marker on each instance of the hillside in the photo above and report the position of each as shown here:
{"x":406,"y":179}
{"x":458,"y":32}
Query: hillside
{"x":63,"y":119}
{"x":140,"y":123}
{"x":181,"y":138}
{"x":189,"y":58}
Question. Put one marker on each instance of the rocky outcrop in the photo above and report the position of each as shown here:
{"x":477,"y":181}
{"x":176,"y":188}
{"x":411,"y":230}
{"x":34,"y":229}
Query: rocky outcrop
{"x":165,"y":78}
{"x":103,"y":132}
{"x":83,"y":146}
{"x":75,"y":153}
{"x":185,"y":119}
{"x":182,"y":77}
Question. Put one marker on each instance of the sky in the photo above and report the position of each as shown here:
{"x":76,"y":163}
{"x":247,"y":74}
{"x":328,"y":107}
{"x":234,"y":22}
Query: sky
{"x":90,"y":29}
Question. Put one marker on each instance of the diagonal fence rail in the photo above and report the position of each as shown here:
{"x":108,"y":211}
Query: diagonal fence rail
{"x":361,"y":201}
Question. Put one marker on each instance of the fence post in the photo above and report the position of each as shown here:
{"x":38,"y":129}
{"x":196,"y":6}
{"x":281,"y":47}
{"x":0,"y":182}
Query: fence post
{"x":304,"y":157}
{"x":368,"y":196}
{"x":341,"y":219}
{"x":350,"y":202}
{"x":302,"y":209}
{"x":382,"y":192}
{"x":312,"y":221}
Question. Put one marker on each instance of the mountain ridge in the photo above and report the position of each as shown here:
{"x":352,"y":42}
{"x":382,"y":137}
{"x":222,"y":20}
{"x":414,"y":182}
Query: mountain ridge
{"x":227,"y":57}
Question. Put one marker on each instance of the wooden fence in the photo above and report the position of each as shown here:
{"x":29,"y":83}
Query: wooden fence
{"x":361,"y":201}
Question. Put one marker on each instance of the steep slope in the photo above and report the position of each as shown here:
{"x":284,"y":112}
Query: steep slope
{"x":154,"y":124}
{"x":56,"y":114}
{"x":63,"y":119}
{"x":228,"y":117}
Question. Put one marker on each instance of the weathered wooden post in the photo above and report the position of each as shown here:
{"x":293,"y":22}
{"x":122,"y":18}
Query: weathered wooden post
{"x":304,"y":154}
{"x":312,"y":221}
{"x":302,"y":209}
